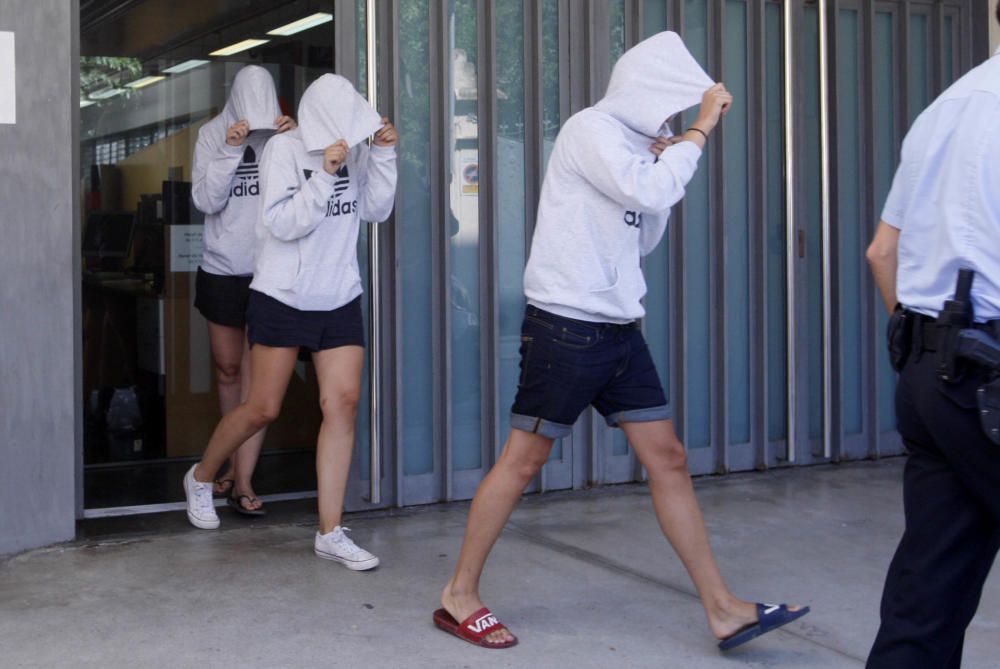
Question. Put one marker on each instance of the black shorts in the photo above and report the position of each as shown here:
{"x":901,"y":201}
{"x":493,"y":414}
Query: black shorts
{"x":568,"y":364}
{"x":222,"y":299}
{"x":274,"y":323}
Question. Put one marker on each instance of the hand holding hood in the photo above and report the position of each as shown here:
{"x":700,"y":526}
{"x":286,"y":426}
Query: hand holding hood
{"x":332,"y":110}
{"x":652,"y":81}
{"x":252,"y":99}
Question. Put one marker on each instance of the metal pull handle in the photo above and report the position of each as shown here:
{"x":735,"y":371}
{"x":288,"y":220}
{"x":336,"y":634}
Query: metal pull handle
{"x":374,"y":298}
{"x":824,"y":149}
{"x":791,"y":239}
{"x":795,"y":238}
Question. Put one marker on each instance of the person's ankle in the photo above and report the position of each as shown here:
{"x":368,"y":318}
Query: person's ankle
{"x":723,"y":606}
{"x":457,"y":591}
{"x":199,"y":474}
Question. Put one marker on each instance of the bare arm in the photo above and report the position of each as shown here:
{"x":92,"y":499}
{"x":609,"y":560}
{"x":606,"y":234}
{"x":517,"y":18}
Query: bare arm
{"x":882,"y":259}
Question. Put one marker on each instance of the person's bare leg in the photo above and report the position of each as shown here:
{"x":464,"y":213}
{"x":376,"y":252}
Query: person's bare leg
{"x":226,"y":344}
{"x":244,"y":460}
{"x":338,"y":371}
{"x":272,"y":369}
{"x":662,"y":454}
{"x":522,"y":458}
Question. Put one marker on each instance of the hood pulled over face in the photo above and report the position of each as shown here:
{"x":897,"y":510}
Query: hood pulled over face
{"x":331,"y":110}
{"x":652,"y":81}
{"x":252,"y":98}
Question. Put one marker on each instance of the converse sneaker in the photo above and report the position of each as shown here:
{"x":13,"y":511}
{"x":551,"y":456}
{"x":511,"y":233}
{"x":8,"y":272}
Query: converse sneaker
{"x":200,"y":507}
{"x":337,"y":546}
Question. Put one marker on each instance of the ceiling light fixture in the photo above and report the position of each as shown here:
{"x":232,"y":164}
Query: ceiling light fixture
{"x":302,"y":24}
{"x":145,"y":81}
{"x":239,"y":47}
{"x":185,"y":66}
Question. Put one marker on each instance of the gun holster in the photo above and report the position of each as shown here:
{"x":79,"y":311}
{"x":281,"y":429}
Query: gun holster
{"x":988,"y":399}
{"x":899,"y":334}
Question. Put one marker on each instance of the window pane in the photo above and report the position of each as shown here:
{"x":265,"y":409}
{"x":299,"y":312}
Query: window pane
{"x":463,"y":231}
{"x":697,"y":293}
{"x":737,"y":238}
{"x":919,"y":62}
{"x":852,"y":222}
{"x":884,"y":116}
{"x":654,"y":17}
{"x":777,"y":350}
{"x":510,"y":195}
{"x":414,"y":233}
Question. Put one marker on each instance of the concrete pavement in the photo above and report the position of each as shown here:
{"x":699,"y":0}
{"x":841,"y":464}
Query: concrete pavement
{"x":585,"y":579}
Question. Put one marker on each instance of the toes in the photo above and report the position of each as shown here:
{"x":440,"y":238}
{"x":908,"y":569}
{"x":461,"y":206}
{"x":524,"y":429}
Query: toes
{"x":500,"y":637}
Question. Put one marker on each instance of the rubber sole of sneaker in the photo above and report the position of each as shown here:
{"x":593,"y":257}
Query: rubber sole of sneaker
{"x":364,"y":565}
{"x":203,"y":524}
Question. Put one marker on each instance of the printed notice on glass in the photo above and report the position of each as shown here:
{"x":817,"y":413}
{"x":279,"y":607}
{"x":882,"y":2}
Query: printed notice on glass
{"x":8,"y":100}
{"x":186,"y":245}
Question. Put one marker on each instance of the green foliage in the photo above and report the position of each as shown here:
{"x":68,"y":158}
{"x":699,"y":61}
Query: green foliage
{"x":100,"y":72}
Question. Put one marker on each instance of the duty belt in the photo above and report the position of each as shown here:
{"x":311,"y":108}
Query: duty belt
{"x":960,"y":342}
{"x":930,"y":335}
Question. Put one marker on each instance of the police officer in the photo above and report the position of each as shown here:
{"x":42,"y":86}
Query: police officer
{"x":943,"y":215}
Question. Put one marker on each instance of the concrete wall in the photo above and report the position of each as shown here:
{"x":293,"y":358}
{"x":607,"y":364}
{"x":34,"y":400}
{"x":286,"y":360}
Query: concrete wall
{"x":39,"y":282}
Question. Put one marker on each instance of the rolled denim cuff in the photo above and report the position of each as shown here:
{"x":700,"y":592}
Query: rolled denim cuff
{"x":639,"y":416}
{"x":535,"y":425}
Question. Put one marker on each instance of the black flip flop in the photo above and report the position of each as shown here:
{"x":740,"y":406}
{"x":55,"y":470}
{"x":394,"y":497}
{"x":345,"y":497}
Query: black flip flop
{"x":236,"y":503}
{"x":226,"y":489}
{"x":769,"y":617}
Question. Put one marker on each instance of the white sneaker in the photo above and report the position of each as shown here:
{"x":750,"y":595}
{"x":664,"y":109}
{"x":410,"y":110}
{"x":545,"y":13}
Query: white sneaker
{"x":337,"y":546}
{"x":200,"y":507}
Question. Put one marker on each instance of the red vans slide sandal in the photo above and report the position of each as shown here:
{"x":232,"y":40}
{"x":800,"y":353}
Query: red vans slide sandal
{"x":473,"y":629}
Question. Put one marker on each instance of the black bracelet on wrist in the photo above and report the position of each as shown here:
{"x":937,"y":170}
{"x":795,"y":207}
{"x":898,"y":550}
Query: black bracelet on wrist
{"x":703,"y":133}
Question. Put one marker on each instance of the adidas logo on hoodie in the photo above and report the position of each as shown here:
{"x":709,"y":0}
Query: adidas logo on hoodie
{"x":247,"y":183}
{"x":335,"y":206}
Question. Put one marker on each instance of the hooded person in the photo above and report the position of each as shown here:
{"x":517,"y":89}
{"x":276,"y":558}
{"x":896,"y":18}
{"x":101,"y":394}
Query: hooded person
{"x":224,"y":183}
{"x":310,"y":219}
{"x":606,"y":197}
{"x":613,"y":176}
{"x":317,"y":183}
{"x":226,"y":189}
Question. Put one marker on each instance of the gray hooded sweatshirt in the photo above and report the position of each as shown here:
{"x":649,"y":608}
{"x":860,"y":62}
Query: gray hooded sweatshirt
{"x":606,"y":197}
{"x":307,"y":234}
{"x":225,"y":178}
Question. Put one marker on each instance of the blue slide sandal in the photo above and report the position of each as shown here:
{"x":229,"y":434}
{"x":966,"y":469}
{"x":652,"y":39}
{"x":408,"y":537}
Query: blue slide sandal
{"x":769,"y":617}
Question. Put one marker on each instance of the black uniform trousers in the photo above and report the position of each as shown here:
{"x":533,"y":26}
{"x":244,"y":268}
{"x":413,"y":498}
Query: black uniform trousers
{"x":951,"y":499}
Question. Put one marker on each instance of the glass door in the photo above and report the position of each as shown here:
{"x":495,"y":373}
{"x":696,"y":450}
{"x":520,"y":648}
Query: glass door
{"x":152,"y":74}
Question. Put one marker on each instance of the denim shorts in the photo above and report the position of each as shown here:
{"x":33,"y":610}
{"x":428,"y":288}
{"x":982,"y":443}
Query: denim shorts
{"x":271,"y":322}
{"x":569,"y":364}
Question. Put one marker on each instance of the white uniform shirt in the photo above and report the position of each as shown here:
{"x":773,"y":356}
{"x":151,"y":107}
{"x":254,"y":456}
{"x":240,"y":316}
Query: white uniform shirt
{"x":945,"y":198}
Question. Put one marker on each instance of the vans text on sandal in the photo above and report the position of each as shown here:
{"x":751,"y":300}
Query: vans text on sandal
{"x":474,"y":629}
{"x":769,"y":617}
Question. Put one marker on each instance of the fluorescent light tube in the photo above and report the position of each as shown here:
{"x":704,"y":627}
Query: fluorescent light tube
{"x":86,"y":103}
{"x":145,"y":81}
{"x":106,"y":93}
{"x":302,"y":24}
{"x":238,"y":47}
{"x":185,"y":66}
